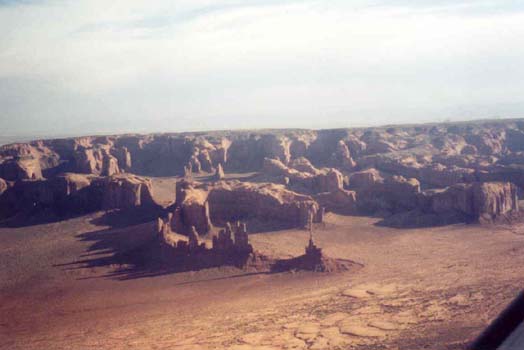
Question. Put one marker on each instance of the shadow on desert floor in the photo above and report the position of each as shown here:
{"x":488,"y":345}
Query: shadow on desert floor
{"x":129,"y":250}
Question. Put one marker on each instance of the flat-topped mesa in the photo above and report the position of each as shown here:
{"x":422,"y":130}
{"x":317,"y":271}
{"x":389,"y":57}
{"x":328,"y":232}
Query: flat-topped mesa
{"x":482,"y":202}
{"x":69,"y":194}
{"x":473,"y":203}
{"x":204,"y":205}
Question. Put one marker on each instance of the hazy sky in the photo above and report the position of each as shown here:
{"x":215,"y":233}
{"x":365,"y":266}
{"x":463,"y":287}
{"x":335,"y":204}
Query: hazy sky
{"x":98,"y":66}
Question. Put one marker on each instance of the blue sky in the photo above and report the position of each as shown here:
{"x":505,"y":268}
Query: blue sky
{"x":78,"y":67}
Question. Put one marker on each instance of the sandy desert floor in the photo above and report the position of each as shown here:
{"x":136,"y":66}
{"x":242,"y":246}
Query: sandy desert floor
{"x":433,"y":288}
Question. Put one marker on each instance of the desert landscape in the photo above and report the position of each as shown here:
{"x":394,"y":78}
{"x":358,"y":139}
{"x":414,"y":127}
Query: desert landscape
{"x":396,"y":237}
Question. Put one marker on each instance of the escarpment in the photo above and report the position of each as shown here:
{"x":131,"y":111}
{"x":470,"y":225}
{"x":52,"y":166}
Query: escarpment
{"x":70,"y":194}
{"x":282,"y":175}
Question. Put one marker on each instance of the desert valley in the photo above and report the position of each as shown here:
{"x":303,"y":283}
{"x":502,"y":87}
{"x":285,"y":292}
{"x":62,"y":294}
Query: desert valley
{"x":404,"y":237}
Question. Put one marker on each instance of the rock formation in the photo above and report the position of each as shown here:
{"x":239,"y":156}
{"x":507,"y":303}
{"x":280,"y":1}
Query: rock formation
{"x":3,"y":186}
{"x":314,"y":180}
{"x":204,"y":205}
{"x":229,"y":247}
{"x":472,"y":202}
{"x":342,"y":157}
{"x":312,"y":260}
{"x":477,"y":201}
{"x":381,"y":193}
{"x":373,"y":170}
{"x":193,"y":239}
{"x":123,"y":157}
{"x":20,"y":168}
{"x":193,"y":207}
{"x":219,"y":173}
{"x":127,"y":191}
{"x":97,"y":161}
{"x":69,"y":193}
{"x":233,"y":239}
{"x":339,"y":201}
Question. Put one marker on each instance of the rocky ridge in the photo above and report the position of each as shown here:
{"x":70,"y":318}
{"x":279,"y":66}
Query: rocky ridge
{"x":387,"y":171}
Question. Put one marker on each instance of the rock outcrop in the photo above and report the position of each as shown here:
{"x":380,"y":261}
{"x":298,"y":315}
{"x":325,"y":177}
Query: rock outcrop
{"x":207,"y":205}
{"x":380,"y":193}
{"x":338,"y":201}
{"x":97,"y":161}
{"x":386,"y":167}
{"x":476,"y":201}
{"x":229,"y":247}
{"x":219,"y":173}
{"x":472,"y":203}
{"x":233,"y":239}
{"x":302,"y":164}
{"x":312,"y":260}
{"x":71,"y":194}
{"x":343,"y":149}
{"x":63,"y":195}
{"x":21,"y":168}
{"x":313,"y":180}
{"x":193,"y":205}
{"x":342,"y":157}
{"x":127,"y":191}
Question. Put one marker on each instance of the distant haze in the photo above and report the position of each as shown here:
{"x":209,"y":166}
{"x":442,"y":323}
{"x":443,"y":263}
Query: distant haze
{"x":93,"y":66}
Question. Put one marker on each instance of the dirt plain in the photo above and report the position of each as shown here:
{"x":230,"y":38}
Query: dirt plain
{"x":70,"y":285}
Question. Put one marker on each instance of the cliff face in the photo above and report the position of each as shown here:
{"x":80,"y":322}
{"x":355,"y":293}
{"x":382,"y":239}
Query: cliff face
{"x":126,"y":191}
{"x":311,"y":180}
{"x":491,"y":200}
{"x":69,"y":194}
{"x":379,"y":192}
{"x":381,"y":171}
{"x":202,"y":205}
{"x":438,"y":156}
{"x":477,"y":200}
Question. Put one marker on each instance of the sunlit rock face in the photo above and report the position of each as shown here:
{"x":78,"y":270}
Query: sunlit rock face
{"x":371,"y":171}
{"x":204,"y":205}
{"x":480,"y":201}
{"x":127,"y":191}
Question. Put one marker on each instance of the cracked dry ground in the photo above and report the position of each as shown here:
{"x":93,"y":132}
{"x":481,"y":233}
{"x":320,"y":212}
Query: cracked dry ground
{"x":433,"y":288}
